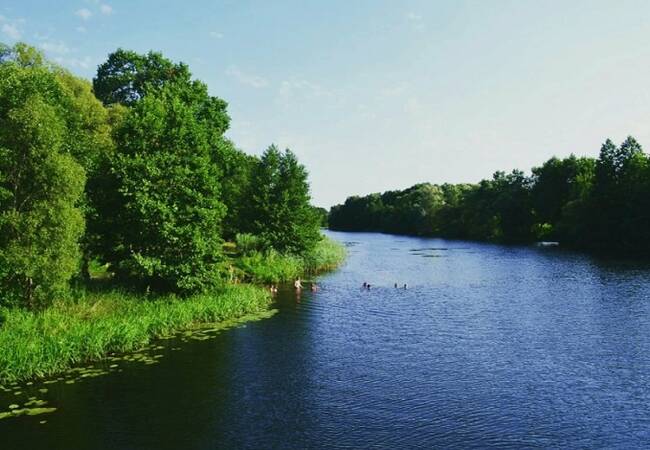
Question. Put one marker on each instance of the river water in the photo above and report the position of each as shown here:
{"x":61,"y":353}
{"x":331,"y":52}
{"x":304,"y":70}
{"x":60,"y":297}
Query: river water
{"x":489,"y":346}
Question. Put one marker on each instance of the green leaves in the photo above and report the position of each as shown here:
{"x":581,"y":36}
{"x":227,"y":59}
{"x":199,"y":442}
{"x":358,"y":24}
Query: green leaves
{"x":40,"y":184}
{"x":278,"y":209}
{"x":162,"y":179}
{"x":165,"y":204}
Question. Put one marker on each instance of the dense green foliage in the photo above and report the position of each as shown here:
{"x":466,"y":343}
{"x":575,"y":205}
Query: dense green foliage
{"x":278,"y":207}
{"x":134,"y":172}
{"x":141,"y":182}
{"x":165,"y":210}
{"x":599,"y":204}
{"x":322,"y":214}
{"x":41,"y":183}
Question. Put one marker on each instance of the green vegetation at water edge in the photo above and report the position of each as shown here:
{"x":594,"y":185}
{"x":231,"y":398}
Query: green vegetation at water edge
{"x":41,"y":343}
{"x":130,"y":179}
{"x":598,"y":204}
{"x":272,"y":267}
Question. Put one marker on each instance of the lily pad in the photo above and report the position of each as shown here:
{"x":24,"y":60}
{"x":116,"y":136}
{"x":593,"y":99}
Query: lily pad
{"x":26,"y":412}
{"x":35,"y":403}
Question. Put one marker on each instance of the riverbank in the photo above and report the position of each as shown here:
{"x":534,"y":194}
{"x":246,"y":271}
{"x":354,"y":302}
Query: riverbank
{"x":38,"y":344}
{"x":273,"y":267}
{"x":96,"y":322}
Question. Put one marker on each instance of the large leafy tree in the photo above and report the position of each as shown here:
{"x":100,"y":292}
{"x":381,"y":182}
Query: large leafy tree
{"x":278,"y":208}
{"x":618,"y":204}
{"x":513,"y":206}
{"x":41,"y":183}
{"x":90,"y":142}
{"x":163,"y":212}
{"x":560,"y":189}
{"x":127,"y":76}
{"x":172,"y":127}
{"x":236,"y":168}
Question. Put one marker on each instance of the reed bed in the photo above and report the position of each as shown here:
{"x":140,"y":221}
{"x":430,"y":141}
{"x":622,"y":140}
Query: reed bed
{"x":41,"y":343}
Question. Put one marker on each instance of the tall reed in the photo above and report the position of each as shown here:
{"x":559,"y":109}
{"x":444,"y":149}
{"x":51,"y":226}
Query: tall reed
{"x":37,"y":344}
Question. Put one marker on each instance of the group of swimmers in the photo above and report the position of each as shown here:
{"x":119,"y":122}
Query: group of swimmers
{"x":367,"y":286}
{"x":297,"y":285}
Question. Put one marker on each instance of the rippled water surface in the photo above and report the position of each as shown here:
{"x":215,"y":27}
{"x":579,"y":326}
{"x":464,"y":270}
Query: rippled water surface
{"x":490,"y":346}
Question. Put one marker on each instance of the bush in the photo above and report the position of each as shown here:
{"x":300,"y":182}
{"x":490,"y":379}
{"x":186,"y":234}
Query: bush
{"x":247,"y":244}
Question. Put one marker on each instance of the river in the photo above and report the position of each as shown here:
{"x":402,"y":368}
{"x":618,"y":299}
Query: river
{"x":489,"y":346}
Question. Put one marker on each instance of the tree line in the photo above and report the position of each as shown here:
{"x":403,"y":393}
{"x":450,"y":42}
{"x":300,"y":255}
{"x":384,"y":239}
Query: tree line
{"x":600,"y":204}
{"x":132,"y":170}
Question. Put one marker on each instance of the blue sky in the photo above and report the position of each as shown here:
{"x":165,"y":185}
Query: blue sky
{"x":377,"y":95}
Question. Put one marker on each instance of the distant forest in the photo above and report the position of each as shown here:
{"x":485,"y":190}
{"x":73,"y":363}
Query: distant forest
{"x":598,"y":204}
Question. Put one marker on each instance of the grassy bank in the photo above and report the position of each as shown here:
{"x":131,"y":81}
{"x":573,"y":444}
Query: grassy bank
{"x":36,"y":344}
{"x":273,"y":267}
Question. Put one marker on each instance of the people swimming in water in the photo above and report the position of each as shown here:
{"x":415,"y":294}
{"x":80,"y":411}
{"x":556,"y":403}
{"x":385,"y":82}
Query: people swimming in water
{"x":365,"y":285}
{"x":297,"y":284}
{"x":314,"y":287}
{"x":405,"y":286}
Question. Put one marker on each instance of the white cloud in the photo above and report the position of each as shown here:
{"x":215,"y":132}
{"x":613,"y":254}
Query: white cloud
{"x":254,"y":81}
{"x":41,"y":37}
{"x":413,"y":16}
{"x":84,"y":13}
{"x":301,"y":90}
{"x":308,"y":88}
{"x":106,"y":9}
{"x":215,"y":34}
{"x":58,"y":48}
{"x":74,"y":63}
{"x":415,"y":20}
{"x":11,"y":30}
{"x":394,"y":90}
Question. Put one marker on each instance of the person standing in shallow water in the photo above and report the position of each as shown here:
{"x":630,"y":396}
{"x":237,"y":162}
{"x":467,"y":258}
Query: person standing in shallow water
{"x":297,"y":284}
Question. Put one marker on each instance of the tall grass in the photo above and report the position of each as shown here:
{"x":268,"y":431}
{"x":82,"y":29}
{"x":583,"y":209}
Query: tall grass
{"x":328,"y":255}
{"x":274,"y":267}
{"x":270,"y":266}
{"x":37,"y":344}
